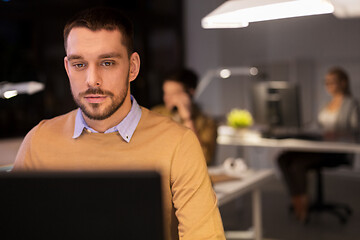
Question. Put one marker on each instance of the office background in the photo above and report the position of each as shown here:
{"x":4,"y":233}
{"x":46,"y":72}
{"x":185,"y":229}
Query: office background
{"x":298,"y":50}
{"x":169,"y":35}
{"x":31,"y":46}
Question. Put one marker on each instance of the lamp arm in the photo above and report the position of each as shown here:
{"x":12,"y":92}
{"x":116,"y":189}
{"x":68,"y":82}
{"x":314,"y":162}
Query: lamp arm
{"x":20,"y":88}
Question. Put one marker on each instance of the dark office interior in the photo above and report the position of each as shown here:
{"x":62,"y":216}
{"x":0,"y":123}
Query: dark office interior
{"x":168,"y":37}
{"x":32,"y":50}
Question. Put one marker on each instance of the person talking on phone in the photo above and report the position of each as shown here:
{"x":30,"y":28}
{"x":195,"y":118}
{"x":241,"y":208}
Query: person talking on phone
{"x":179,"y":88}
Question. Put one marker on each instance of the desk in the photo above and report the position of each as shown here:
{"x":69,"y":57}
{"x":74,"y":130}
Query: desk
{"x":230,"y":190}
{"x":6,"y":168}
{"x":8,"y":150}
{"x":291,"y":144}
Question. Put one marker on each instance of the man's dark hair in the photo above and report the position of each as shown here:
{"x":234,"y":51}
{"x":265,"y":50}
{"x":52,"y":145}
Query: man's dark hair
{"x":186,"y":77}
{"x":103,"y":18}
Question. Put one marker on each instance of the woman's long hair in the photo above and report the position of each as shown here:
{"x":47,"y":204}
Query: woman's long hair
{"x":342,"y":78}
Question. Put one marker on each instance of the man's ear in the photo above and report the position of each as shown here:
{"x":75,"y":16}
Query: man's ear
{"x":191,"y":92}
{"x":134,"y":66}
{"x":66,"y":65}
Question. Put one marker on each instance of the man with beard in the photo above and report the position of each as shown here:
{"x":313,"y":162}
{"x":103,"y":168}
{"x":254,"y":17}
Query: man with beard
{"x":110,"y":131}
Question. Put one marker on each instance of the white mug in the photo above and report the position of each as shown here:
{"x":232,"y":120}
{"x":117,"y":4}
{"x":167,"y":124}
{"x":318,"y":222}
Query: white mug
{"x":232,"y":165}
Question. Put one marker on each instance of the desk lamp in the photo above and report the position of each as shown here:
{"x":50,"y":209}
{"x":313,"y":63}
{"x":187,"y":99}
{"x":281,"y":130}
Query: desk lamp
{"x":9,"y":90}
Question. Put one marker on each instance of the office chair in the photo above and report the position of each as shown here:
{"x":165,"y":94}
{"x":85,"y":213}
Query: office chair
{"x":340,"y":210}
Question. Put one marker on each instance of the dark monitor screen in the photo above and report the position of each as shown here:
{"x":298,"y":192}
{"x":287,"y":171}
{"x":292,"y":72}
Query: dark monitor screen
{"x":102,"y":205}
{"x":276,"y":104}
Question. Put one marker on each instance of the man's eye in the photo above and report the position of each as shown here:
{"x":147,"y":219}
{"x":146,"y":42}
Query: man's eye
{"x":107,"y":64}
{"x":79,"y":65}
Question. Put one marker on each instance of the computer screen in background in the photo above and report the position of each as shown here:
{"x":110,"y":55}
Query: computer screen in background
{"x":276,"y":106}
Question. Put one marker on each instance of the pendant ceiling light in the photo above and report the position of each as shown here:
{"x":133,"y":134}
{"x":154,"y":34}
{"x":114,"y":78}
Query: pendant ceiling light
{"x":239,"y":13}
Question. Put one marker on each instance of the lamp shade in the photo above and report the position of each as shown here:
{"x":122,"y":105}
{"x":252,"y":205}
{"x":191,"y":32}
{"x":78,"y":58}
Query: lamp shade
{"x":239,"y":13}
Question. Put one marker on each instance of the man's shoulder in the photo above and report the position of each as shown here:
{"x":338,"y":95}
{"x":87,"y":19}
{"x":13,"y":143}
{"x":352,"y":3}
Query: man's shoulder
{"x":161,"y":109}
{"x":58,"y":123}
{"x":159,"y":129}
{"x":50,"y":129}
{"x":152,"y":119}
{"x":203,"y":120}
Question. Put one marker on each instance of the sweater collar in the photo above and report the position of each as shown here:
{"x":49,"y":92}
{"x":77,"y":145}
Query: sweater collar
{"x":126,"y":127}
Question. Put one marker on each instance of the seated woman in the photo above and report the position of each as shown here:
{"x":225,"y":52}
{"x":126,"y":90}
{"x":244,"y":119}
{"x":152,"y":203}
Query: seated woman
{"x":339,"y":120}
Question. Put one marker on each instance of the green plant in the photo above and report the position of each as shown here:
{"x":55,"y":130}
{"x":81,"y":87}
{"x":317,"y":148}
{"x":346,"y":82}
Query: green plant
{"x":239,"y":118}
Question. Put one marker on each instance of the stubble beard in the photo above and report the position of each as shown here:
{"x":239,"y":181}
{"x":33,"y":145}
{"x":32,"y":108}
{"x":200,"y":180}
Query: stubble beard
{"x":93,"y":110}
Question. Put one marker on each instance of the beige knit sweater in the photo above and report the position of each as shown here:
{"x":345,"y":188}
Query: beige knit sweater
{"x":190,"y":206}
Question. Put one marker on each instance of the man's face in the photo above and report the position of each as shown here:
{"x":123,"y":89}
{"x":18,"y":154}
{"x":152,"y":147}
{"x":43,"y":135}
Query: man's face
{"x":173,"y":93}
{"x":99,"y":71}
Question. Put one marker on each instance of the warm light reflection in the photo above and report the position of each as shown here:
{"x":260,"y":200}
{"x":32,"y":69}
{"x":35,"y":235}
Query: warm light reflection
{"x":237,"y":13}
{"x":10,"y":94}
{"x":284,"y":10}
{"x":254,"y":71}
{"x":225,"y":73}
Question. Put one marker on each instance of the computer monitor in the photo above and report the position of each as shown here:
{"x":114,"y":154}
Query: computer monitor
{"x":97,"y":205}
{"x":276,"y":105}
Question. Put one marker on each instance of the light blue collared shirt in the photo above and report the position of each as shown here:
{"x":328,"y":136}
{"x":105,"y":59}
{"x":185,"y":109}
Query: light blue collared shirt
{"x":126,"y":127}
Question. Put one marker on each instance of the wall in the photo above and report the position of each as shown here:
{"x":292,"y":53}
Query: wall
{"x":297,"y":49}
{"x":301,"y":49}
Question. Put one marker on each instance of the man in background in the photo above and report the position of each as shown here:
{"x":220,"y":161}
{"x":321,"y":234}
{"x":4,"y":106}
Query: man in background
{"x":179,"y":89}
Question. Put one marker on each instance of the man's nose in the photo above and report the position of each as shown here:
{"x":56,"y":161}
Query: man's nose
{"x":93,"y":77}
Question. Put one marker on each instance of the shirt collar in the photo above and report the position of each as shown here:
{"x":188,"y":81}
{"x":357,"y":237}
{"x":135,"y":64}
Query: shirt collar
{"x":126,"y":127}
